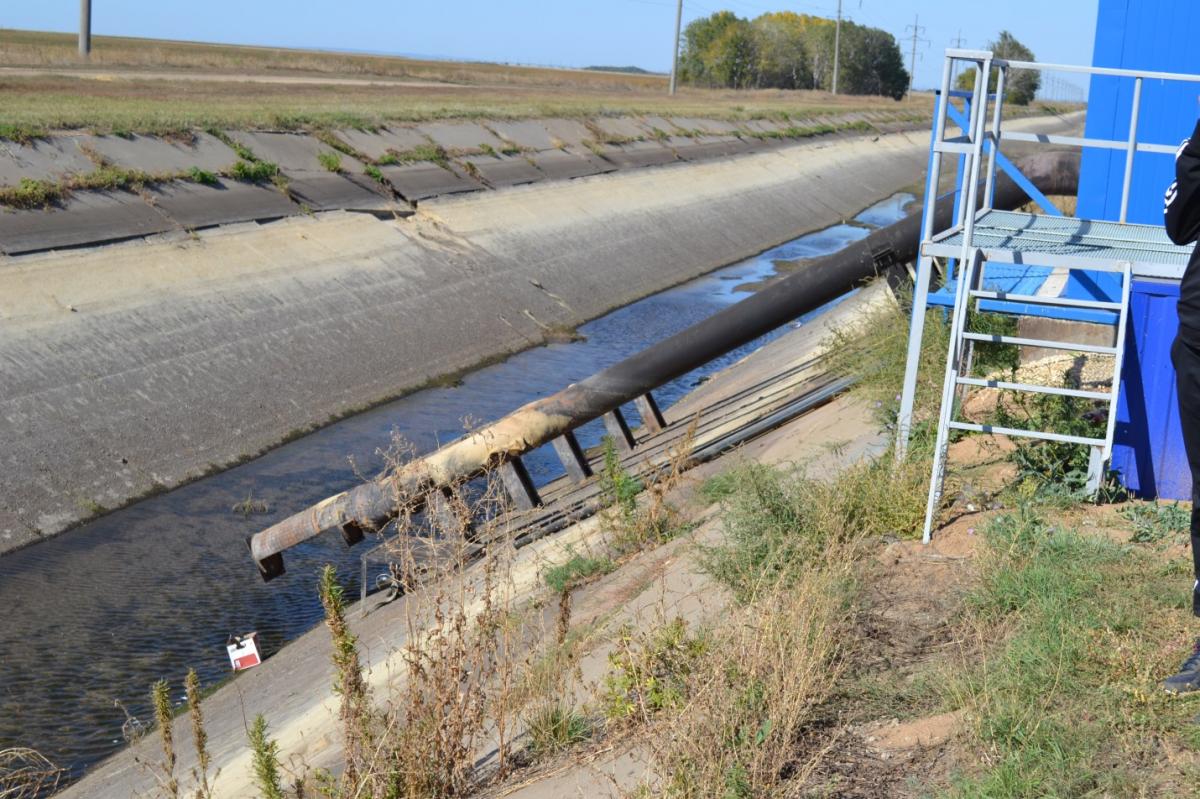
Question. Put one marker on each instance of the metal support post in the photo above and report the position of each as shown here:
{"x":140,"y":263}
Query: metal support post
{"x":572,"y":457}
{"x":924,"y":274}
{"x":652,"y":418}
{"x":519,"y":485}
{"x":989,"y":190}
{"x":618,"y":428}
{"x":1131,"y":149}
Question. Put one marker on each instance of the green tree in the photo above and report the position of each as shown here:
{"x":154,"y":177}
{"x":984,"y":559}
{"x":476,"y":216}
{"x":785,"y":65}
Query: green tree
{"x":1022,"y":85}
{"x":783,"y":60}
{"x":705,"y":59}
{"x":871,"y":62}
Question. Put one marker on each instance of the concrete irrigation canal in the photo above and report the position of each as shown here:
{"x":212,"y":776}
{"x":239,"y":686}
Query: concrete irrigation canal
{"x":153,"y":361}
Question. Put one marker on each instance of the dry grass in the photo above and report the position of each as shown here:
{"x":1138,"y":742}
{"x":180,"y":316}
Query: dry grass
{"x":26,"y":774}
{"x":149,"y":86}
{"x":768,"y":668}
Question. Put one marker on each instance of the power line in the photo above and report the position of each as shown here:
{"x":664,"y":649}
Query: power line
{"x":917,"y":29}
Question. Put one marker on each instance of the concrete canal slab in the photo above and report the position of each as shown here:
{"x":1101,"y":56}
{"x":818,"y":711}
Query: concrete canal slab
{"x":327,"y":191}
{"x":705,"y":147}
{"x":425,"y":179}
{"x":299,"y":158}
{"x":570,"y":132}
{"x":638,"y":154}
{"x":461,"y":137}
{"x":719,"y":126}
{"x":293,"y":152}
{"x":196,"y":206}
{"x":90,"y":217}
{"x":565,"y":165}
{"x":504,"y":170}
{"x":376,"y":144}
{"x":526,"y":134}
{"x":618,"y":128}
{"x":42,"y":159}
{"x":651,"y":124}
{"x":156,"y":155}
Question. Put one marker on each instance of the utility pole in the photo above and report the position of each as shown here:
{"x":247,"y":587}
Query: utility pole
{"x":917,"y":29}
{"x":85,"y":28}
{"x":837,"y":46}
{"x":675,"y":52}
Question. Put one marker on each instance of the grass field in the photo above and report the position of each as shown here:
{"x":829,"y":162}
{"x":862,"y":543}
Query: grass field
{"x":158,"y":86}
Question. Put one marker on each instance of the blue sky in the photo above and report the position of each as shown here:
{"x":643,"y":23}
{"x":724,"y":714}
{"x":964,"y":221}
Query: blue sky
{"x":572,"y":33}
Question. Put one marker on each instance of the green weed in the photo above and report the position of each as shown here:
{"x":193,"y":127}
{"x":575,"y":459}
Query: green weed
{"x":164,"y":717}
{"x":1153,"y":523}
{"x":202,"y":177}
{"x":254,"y":171}
{"x":554,"y":728}
{"x":30,"y":193}
{"x":373,"y":173}
{"x":265,"y":754}
{"x":330,"y":160}
{"x":1059,"y":470}
{"x":649,"y":671}
{"x":775,"y":523}
{"x":575,"y":571}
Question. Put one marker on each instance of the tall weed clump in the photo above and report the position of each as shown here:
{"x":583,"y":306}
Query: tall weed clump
{"x":348,"y":677}
{"x":765,"y":673}
{"x":774,"y":521}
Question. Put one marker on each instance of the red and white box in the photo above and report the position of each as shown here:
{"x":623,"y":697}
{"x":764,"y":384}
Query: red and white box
{"x":243,"y":651}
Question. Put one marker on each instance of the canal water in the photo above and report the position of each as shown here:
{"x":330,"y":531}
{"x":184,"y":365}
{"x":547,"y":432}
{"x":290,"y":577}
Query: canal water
{"x":94,"y":616}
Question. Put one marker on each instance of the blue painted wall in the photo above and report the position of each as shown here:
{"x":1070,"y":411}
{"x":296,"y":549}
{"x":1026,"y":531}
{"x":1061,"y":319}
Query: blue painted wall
{"x":1159,"y":35}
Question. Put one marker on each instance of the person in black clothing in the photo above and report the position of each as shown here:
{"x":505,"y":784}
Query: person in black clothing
{"x":1182,"y":212}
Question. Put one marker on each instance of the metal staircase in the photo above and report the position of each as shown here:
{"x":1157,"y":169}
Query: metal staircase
{"x":958,"y":368}
{"x":981,"y":236}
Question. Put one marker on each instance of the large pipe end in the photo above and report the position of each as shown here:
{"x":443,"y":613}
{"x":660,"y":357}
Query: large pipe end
{"x":270,"y":566}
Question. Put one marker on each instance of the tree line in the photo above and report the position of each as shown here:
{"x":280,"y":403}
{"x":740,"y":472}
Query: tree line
{"x":786,"y":50}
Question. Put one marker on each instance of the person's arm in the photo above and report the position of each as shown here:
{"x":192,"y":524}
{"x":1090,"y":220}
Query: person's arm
{"x":1182,"y":208}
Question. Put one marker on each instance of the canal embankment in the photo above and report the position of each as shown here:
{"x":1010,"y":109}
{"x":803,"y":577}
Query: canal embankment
{"x":137,"y":366}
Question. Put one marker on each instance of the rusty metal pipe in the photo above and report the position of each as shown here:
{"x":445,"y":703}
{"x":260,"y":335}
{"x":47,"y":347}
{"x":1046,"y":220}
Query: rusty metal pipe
{"x":371,"y":505}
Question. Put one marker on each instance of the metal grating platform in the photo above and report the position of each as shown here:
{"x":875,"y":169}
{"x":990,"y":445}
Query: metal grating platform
{"x":1011,"y":237}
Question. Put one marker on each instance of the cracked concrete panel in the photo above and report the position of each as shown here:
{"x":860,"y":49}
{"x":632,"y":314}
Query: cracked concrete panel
{"x":460,"y":137}
{"x":377,"y":144}
{"x":505,"y":170}
{"x":425,"y":179}
{"x":526,"y":134}
{"x":570,"y":132}
{"x":638,"y":154}
{"x":90,"y":217}
{"x":563,"y":165}
{"x":197,"y":206}
{"x":618,"y":127}
{"x":42,"y":159}
{"x":152,"y":154}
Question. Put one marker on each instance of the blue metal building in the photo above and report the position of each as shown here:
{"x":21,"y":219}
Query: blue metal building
{"x":1162,"y":35}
